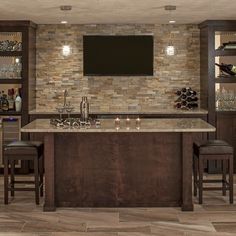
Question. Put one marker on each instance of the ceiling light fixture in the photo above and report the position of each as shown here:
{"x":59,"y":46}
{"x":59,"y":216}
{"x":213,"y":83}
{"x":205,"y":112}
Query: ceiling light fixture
{"x":65,"y":9}
{"x":170,"y":49}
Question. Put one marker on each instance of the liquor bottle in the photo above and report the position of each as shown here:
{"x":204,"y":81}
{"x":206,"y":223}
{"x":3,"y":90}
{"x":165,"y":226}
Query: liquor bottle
{"x":5,"y":103}
{"x":18,"y":101}
{"x":227,"y":68}
{"x":0,"y":101}
{"x":11,"y":99}
{"x":84,"y":109}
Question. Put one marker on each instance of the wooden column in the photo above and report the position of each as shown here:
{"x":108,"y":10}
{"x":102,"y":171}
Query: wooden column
{"x":49,"y":204}
{"x":187,"y":160}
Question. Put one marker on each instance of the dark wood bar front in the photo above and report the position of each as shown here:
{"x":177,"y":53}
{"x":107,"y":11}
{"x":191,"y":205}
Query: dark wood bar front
{"x":106,"y":166}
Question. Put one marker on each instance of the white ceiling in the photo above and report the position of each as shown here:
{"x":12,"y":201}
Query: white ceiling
{"x":117,"y":11}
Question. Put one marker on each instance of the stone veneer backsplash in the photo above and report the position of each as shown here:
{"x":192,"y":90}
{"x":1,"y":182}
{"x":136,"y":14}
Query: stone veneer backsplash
{"x":109,"y":93}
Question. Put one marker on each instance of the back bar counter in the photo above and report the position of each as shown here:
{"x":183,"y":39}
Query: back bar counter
{"x":144,"y":165}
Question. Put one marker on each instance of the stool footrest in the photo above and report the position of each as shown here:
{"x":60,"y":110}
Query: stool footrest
{"x":214,"y":188}
{"x":213,"y":181}
{"x":21,"y":189}
{"x":23,"y":182}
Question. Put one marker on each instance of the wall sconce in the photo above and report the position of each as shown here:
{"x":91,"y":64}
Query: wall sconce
{"x":66,"y":50}
{"x":170,"y":50}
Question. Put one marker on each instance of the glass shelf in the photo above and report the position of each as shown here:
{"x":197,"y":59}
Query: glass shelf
{"x":225,"y":96}
{"x":10,"y":42}
{"x":222,"y":39}
{"x":10,"y":67}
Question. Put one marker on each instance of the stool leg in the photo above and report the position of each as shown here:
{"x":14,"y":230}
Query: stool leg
{"x":36,"y":180}
{"x":5,"y":180}
{"x":41,"y":175}
{"x":231,"y":180}
{"x":200,"y":182}
{"x":12,"y":163}
{"x":224,"y":177}
{"x":195,"y":167}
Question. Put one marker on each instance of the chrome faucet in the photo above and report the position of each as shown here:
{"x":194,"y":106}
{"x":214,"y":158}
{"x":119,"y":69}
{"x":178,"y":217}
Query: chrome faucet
{"x":65,"y":95}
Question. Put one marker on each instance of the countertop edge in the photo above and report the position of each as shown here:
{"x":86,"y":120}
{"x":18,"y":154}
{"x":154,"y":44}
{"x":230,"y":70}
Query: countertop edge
{"x":160,"y":112}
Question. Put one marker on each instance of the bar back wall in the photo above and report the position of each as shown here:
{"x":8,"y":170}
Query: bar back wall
{"x":56,"y":72}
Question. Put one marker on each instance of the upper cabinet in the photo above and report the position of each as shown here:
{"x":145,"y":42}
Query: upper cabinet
{"x":217,"y":60}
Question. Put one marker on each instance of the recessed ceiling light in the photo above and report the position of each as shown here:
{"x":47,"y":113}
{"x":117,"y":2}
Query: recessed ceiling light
{"x":64,"y":22}
{"x":172,"y":21}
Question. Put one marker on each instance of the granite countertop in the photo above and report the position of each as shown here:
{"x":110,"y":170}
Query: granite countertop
{"x":108,"y":125}
{"x":130,"y":112}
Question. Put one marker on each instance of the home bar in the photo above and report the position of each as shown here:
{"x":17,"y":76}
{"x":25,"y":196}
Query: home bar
{"x":117,"y":119}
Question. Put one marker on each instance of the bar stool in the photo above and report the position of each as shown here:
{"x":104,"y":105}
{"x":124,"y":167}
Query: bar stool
{"x":213,"y":150}
{"x":19,"y":151}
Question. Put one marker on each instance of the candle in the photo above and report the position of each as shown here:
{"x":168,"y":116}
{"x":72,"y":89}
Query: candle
{"x":128,"y":121}
{"x":138,"y":121}
{"x":117,"y":121}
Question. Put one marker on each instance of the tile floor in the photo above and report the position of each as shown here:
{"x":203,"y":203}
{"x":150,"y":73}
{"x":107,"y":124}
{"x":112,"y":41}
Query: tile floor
{"x":23,"y":218}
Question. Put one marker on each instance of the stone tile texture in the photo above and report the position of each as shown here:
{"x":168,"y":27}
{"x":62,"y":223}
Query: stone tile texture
{"x":105,"y":93}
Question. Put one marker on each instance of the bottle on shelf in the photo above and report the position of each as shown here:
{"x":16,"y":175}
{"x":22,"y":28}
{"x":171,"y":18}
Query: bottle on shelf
{"x":84,"y":109}
{"x":5,"y":103}
{"x":227,"y":68}
{"x":11,"y":100}
{"x":0,"y":101}
{"x":18,"y":101}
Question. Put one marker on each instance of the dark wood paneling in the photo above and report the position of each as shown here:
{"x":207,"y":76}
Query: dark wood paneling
{"x":109,"y":169}
{"x":226,"y":130}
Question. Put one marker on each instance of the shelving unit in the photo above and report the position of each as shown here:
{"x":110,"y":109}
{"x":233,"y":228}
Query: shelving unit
{"x":212,"y":35}
{"x":223,"y":79}
{"x":25,"y":33}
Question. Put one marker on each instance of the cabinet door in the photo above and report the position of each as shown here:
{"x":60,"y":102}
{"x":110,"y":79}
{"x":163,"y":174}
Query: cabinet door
{"x":226,"y":130}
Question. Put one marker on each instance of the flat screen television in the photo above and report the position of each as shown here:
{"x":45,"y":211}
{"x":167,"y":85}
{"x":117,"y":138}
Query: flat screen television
{"x":118,"y":55}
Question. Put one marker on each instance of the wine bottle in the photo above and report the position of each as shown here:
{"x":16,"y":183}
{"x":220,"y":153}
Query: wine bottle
{"x":192,"y":99}
{"x":227,"y":68}
{"x":5,"y":103}
{"x":178,"y":92}
{"x":183,"y":90}
{"x":178,"y":105}
{"x":192,"y":105}
{"x":183,"y":96}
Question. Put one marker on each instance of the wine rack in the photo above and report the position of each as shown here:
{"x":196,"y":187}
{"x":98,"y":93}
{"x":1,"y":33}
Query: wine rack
{"x":187,"y":99}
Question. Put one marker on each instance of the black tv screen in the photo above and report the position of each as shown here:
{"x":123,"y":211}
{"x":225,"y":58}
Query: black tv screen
{"x":118,"y":55}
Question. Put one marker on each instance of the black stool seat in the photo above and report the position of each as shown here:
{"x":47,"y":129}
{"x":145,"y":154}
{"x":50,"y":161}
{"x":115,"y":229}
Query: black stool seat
{"x":25,"y":148}
{"x":212,"y":147}
{"x":28,"y":151}
{"x":213,"y":150}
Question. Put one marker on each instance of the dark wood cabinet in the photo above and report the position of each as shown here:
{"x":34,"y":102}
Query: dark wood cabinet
{"x":226,"y":129}
{"x":18,"y":69}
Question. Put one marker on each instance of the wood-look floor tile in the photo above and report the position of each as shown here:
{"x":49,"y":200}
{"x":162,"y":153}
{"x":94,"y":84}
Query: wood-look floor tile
{"x":83,"y":234}
{"x":229,"y":227}
{"x":123,"y":227}
{"x":11,"y":226}
{"x":207,"y":227}
{"x":149,"y":215}
{"x":32,"y":226}
{"x":216,"y":217}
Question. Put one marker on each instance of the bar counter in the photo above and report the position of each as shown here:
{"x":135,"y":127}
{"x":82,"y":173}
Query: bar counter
{"x":146,"y":165}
